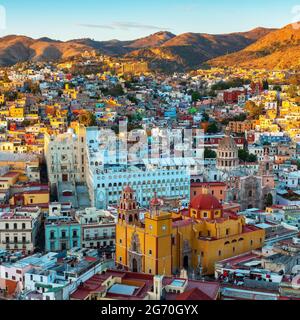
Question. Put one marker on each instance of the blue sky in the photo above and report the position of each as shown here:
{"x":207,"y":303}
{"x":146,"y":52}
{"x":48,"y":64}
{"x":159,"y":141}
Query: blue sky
{"x":131,"y":19}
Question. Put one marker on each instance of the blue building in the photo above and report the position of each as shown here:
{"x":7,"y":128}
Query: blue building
{"x":171,"y":113}
{"x":62,"y":233}
{"x":279,"y":138}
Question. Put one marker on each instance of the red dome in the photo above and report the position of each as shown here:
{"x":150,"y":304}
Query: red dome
{"x":205,"y":202}
{"x":128,"y":189}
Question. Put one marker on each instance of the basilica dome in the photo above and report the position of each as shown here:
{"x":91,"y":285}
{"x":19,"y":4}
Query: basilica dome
{"x":227,"y":153}
{"x":205,"y":202}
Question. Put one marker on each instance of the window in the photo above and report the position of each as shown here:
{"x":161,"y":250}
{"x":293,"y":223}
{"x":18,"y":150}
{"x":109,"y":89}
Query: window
{"x":220,"y":253}
{"x":227,"y":232}
{"x":150,"y":252}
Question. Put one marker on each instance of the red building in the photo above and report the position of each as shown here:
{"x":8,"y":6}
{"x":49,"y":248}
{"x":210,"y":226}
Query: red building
{"x":232,"y":95}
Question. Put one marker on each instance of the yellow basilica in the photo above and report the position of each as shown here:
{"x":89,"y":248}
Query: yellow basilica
{"x":165,"y":243}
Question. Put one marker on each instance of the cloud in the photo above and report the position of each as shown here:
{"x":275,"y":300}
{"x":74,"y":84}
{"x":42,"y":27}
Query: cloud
{"x":123,"y":26}
{"x":96,"y":26}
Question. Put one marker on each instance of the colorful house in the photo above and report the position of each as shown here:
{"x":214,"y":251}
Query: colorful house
{"x":62,"y":233}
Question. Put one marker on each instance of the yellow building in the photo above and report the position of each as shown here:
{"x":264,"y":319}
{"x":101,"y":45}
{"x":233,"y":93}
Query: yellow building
{"x":165,"y":243}
{"x":16,"y":112}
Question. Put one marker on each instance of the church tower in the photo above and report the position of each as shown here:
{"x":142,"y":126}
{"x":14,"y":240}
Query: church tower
{"x":158,"y":240}
{"x":266,"y":174}
{"x":128,"y":220}
{"x":128,"y":211}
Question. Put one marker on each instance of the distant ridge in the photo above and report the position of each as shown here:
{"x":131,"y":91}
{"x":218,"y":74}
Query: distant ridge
{"x":163,"y":50}
{"x":279,"y":49}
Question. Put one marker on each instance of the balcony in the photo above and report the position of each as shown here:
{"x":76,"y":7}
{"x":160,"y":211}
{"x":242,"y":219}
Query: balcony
{"x":16,"y":242}
{"x":107,"y":237}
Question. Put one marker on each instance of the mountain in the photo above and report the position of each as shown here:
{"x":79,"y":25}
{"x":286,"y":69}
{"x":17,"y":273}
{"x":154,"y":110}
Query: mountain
{"x":190,"y":50}
{"x":163,"y":50}
{"x":279,"y":49}
{"x":154,"y":40}
{"x":14,"y":49}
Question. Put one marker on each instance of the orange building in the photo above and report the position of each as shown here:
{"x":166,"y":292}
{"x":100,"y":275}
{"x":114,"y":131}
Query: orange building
{"x":216,"y":189}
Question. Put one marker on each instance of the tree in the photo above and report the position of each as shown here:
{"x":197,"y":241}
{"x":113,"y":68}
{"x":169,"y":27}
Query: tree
{"x":209,"y":154}
{"x":245,"y":156}
{"x":254,"y":110}
{"x":265,"y":85}
{"x":205,"y":117}
{"x":212,"y":128}
{"x":196,"y":96}
{"x":87,"y":119}
{"x":252,"y":158}
{"x":269,"y":200}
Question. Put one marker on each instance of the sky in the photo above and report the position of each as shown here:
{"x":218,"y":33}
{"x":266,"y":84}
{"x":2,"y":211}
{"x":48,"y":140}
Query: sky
{"x":132,"y":19}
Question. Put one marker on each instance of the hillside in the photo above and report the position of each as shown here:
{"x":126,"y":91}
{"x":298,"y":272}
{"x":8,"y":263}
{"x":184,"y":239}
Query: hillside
{"x":14,"y":49}
{"x":190,"y":50}
{"x":163,"y":50}
{"x":279,"y":49}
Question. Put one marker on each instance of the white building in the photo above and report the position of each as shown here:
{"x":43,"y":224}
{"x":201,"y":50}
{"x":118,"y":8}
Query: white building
{"x":15,"y":271}
{"x":108,"y":175}
{"x":19,"y":228}
{"x":98,"y":228}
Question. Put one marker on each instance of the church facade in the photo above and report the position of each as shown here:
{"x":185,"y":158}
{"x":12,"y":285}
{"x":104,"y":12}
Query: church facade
{"x":164,"y":243}
{"x":249,"y":188}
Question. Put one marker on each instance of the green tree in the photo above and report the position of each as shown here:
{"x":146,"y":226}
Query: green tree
{"x":212,"y":128}
{"x":269,"y":200}
{"x":252,"y":158}
{"x":196,"y":96}
{"x":205,"y":117}
{"x":245,"y":156}
{"x":265,"y":85}
{"x":209,"y":154}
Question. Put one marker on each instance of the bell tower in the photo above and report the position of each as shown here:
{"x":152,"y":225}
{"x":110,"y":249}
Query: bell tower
{"x":266,"y":166}
{"x":128,"y":210}
{"x":158,"y":239}
{"x":128,"y":219}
